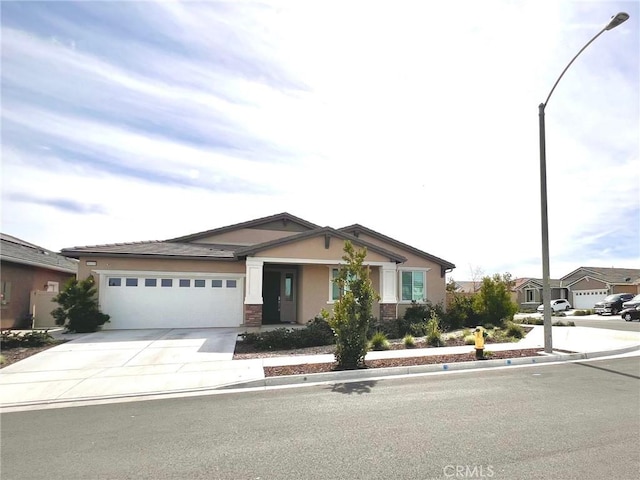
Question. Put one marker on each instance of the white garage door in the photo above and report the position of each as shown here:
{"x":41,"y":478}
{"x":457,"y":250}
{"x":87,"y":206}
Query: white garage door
{"x":583,"y":299}
{"x":147,"y":300}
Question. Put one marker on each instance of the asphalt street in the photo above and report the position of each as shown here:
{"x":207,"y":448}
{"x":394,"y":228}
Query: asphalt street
{"x":610,"y":322}
{"x":578,"y":420}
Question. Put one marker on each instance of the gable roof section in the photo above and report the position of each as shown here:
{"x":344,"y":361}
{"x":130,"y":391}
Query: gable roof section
{"x":612,"y":276}
{"x":325,"y":231}
{"x":273,"y":222}
{"x":537,"y":283}
{"x":356,"y":228}
{"x":18,"y":251}
{"x":155,"y":248}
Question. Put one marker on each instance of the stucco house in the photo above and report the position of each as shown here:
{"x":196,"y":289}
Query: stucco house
{"x":276,"y":269}
{"x":583,"y":287}
{"x":30,"y":276}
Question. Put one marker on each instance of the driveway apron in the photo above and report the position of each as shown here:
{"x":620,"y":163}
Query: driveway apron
{"x":127,"y":362}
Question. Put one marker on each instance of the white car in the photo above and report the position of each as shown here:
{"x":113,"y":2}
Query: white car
{"x":557,"y":305}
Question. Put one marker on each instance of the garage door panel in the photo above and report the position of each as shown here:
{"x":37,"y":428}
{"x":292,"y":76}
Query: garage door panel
{"x":586,"y":299}
{"x":175,"y":306}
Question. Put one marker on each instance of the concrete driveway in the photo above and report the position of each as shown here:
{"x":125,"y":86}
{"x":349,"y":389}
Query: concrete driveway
{"x":127,"y":362}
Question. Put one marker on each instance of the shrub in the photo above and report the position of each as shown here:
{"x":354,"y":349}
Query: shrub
{"x":434,"y":336}
{"x":78,"y":310}
{"x":353,"y":311}
{"x":2,"y":360}
{"x":469,"y":339}
{"x":560,"y":323}
{"x":582,"y":313}
{"x":515,"y":331}
{"x":379,"y":341}
{"x":409,"y":341}
{"x":531,"y":321}
{"x":390,"y":328}
{"x":316,"y":333}
{"x":493,"y":302}
{"x":10,"y":339}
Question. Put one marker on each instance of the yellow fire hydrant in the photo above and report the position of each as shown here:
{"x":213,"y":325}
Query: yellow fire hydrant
{"x":479,"y":334}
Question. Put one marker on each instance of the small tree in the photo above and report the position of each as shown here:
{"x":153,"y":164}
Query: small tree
{"x":353,"y":310}
{"x":78,"y":310}
{"x":493,"y":302}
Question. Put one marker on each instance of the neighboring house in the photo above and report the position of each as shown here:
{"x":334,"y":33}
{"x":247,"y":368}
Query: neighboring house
{"x":26,"y":269}
{"x":588,"y":285}
{"x":529,"y":293}
{"x":583,"y":287}
{"x":277,"y":269}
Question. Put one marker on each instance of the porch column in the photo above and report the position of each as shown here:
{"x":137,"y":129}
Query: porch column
{"x":253,"y":294}
{"x":388,"y":291}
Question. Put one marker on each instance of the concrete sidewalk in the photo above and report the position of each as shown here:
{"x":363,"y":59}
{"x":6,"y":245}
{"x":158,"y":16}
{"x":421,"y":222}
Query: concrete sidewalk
{"x":154,"y":362}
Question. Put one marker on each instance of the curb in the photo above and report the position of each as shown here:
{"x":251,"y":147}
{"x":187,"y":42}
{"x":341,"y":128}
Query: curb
{"x":355,"y":375}
{"x":345,"y":376}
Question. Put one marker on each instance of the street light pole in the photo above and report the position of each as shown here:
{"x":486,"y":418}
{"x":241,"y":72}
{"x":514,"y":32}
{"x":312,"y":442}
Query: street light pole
{"x":546,"y":283}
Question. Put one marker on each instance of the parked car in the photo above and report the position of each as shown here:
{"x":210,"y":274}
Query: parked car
{"x":558,"y":305}
{"x":634,"y":302}
{"x":631,"y":313}
{"x":612,"y":304}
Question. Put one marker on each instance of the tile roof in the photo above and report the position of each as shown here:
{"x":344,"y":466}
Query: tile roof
{"x":15,"y":250}
{"x":356,"y":228}
{"x":284,"y":217}
{"x":156,"y":248}
{"x":618,"y":276}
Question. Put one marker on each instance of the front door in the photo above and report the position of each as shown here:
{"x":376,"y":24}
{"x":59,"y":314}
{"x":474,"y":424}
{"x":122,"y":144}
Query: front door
{"x":288,"y":296}
{"x":279,"y":292}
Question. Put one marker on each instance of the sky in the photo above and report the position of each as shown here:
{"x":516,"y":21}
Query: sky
{"x":131,"y":121}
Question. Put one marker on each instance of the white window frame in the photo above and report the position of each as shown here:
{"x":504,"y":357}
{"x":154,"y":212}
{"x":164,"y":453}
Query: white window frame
{"x":331,"y":284}
{"x":53,"y":287}
{"x":424,"y":277}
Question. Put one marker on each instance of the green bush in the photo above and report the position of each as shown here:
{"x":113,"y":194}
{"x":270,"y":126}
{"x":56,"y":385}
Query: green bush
{"x":582,"y":313}
{"x":469,"y":339}
{"x":409,"y":341}
{"x":390,"y":328}
{"x":379,"y":341}
{"x":10,"y":339}
{"x":515,"y":331}
{"x":2,"y":360}
{"x":78,"y":310}
{"x":316,"y":333}
{"x":352,"y":313}
{"x":434,"y":336}
{"x":531,"y":321}
{"x":560,"y":323}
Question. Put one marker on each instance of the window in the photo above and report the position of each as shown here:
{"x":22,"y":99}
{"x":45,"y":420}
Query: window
{"x":198,"y":283}
{"x":231,"y":283}
{"x":5,"y":294}
{"x":185,"y":282}
{"x":150,"y":282}
{"x":335,"y":289}
{"x":115,"y":282}
{"x":216,"y":283}
{"x":412,"y":284}
{"x":288,"y":287}
{"x":530,"y":294}
{"x":166,"y":282}
{"x":53,"y":287}
{"x":131,"y":282}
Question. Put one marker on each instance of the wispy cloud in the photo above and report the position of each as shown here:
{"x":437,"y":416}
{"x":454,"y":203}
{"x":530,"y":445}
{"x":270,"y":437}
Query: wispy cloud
{"x":63,"y":204}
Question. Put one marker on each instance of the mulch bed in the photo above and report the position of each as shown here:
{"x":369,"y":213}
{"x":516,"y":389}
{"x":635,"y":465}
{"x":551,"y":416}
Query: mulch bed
{"x":304,"y":369}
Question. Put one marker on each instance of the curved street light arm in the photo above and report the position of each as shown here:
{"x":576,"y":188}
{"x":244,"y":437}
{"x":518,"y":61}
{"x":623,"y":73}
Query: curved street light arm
{"x":572,"y":60}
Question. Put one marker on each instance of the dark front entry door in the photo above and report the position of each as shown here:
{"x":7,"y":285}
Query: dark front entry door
{"x":279,"y":292}
{"x":270,"y":294}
